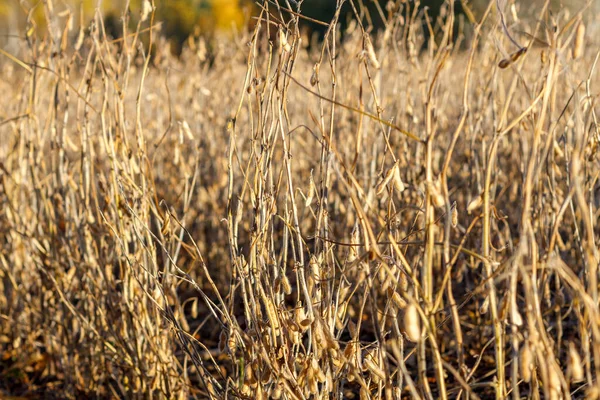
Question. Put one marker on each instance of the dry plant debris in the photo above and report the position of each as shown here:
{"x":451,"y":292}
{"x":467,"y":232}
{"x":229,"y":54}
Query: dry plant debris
{"x":412,"y":212}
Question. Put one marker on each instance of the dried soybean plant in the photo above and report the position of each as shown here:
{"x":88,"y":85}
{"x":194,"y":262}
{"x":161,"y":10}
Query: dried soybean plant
{"x":409,"y":211}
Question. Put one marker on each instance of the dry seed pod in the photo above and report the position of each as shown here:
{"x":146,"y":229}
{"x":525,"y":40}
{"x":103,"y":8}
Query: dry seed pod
{"x":377,"y":373}
{"x":299,"y":314}
{"x":315,"y":268}
{"x":516,"y":317}
{"x":249,"y":374}
{"x":403,"y":282}
{"x":388,"y":177}
{"x":412,"y":323}
{"x":352,"y":251}
{"x":326,"y":341}
{"x":266,"y":376}
{"x":352,"y":328}
{"x":185,"y":128}
{"x":277,"y":392}
{"x":341,"y":310}
{"x":485,"y":306}
{"x":321,"y":377}
{"x":314,"y":79}
{"x":285,"y":284}
{"x":283,"y":41}
{"x":277,"y":285}
{"x":316,"y":369}
{"x":513,"y":12}
{"x":79,"y":41}
{"x":398,"y":184}
{"x":146,"y":10}
{"x":475,"y":203}
{"x":239,"y":212}
{"x":339,"y":322}
{"x":305,"y":323}
{"x":436,"y":194}
{"x":398,"y":300}
{"x":526,"y":362}
{"x":232,"y":343}
{"x":295,"y":337}
{"x":194,"y":308}
{"x":259,"y":394}
{"x":310,"y":283}
{"x":222,"y":341}
{"x":349,"y":350}
{"x":409,"y":109}
{"x":246,"y":390}
{"x":364,"y":393}
{"x":505,"y":63}
{"x":337,"y":360}
{"x":592,"y":393}
{"x":272,"y":314}
{"x":313,"y":387}
{"x":311,"y":193}
{"x":371,"y":53}
{"x":371,"y":365}
{"x":558,"y":151}
{"x":454,"y":216}
{"x":578,"y":46}
{"x":385,"y":283}
{"x":67,"y":13}
{"x":318,"y":333}
{"x":575,"y":364}
{"x":554,"y":380}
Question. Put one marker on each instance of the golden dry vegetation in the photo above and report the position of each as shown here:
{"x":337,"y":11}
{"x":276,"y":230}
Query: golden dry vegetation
{"x":377,"y":215}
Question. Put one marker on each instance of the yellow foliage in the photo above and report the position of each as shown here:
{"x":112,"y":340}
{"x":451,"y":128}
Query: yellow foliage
{"x":227,"y":14}
{"x":4,"y":9}
{"x":180,"y":17}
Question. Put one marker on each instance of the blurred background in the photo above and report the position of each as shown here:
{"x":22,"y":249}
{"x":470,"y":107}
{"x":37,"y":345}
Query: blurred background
{"x":182,"y":18}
